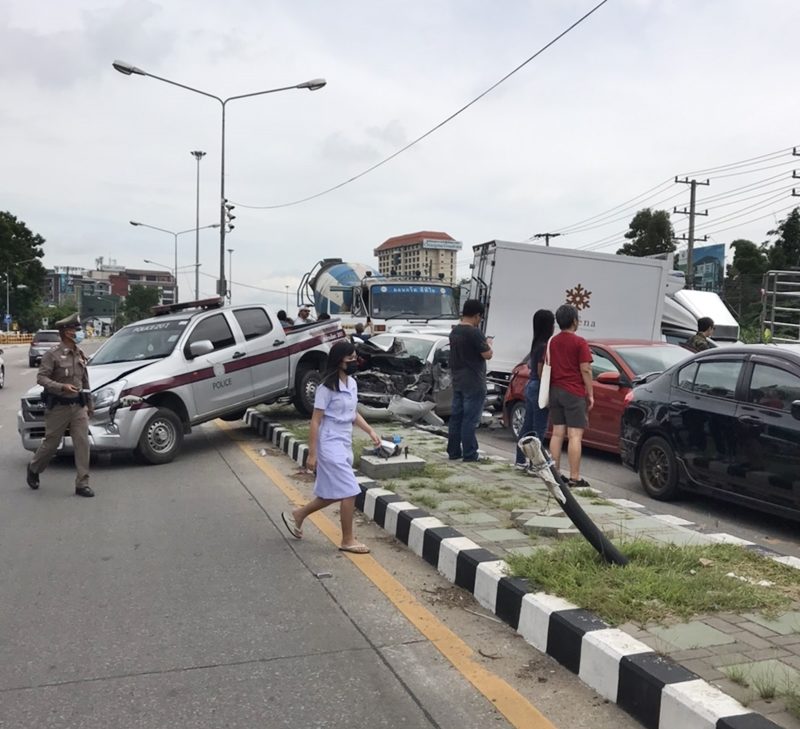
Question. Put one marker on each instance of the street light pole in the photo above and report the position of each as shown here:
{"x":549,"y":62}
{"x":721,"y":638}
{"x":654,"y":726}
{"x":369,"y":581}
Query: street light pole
{"x":198,"y":155}
{"x":312,"y":85}
{"x":8,"y":290}
{"x":175,"y":237}
{"x":230,"y":276}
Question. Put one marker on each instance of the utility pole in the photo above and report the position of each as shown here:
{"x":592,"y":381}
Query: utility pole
{"x":691,"y":212}
{"x":546,"y":236}
{"x":198,"y":155}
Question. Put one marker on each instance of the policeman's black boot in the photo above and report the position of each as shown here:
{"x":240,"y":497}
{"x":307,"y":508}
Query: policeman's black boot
{"x":32,"y":478}
{"x":84,"y":491}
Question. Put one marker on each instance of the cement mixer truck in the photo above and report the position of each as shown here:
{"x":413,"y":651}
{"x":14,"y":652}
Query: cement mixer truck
{"x":355,"y":292}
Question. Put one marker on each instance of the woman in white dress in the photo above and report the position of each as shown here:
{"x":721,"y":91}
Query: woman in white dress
{"x":330,"y":448}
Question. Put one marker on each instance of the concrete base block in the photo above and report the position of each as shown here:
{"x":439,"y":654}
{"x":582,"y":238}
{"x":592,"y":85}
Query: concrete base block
{"x":388,"y":468}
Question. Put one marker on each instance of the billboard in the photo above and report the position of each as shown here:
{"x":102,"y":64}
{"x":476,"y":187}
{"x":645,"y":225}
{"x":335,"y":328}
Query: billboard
{"x":441,"y":245}
{"x":709,"y":267}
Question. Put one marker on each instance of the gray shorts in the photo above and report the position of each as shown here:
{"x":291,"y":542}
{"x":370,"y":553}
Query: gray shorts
{"x":567,"y":409}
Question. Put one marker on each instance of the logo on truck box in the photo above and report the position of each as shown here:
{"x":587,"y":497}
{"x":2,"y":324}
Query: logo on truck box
{"x":579,"y":297}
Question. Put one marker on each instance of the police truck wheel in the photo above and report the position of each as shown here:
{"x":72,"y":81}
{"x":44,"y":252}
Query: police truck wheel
{"x":307,"y":380}
{"x":161,"y":438}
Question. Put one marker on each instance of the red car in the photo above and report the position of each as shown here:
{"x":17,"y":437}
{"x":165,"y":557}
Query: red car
{"x":616,"y":363}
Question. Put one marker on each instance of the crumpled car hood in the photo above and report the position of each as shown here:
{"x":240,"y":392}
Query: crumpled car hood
{"x":383,"y":376}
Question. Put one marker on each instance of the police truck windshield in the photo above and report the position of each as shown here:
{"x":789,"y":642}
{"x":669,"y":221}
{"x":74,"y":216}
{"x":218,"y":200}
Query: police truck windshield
{"x":424,"y":301}
{"x":141,"y":341}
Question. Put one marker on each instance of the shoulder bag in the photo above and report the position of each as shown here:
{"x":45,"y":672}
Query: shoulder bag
{"x":544,"y":381}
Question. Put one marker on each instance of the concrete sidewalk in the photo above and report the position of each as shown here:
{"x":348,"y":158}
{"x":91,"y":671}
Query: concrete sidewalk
{"x":465,"y":518}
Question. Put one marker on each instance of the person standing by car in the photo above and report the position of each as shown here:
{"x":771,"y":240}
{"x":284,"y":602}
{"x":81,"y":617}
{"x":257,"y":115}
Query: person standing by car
{"x":535,"y":422}
{"x":699,"y":342}
{"x":330,"y":447}
{"x":571,"y":396}
{"x":469,"y":350}
{"x":64,"y":376}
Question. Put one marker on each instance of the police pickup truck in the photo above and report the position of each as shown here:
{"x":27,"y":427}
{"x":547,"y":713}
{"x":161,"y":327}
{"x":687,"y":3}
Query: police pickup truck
{"x":190,"y":363}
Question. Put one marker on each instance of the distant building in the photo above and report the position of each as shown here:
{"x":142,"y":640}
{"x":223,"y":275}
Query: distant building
{"x":426,"y":254}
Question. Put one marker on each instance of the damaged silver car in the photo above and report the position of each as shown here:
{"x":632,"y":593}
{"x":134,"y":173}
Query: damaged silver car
{"x":407,"y":375}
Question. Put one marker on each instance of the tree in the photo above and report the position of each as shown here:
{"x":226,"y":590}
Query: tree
{"x":650,"y":232}
{"x":138,"y":303}
{"x":743,"y":281}
{"x":785,"y":252}
{"x":22,"y":273}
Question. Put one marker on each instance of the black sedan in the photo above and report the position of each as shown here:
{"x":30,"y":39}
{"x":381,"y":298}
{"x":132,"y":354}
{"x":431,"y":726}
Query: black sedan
{"x":726,"y":423}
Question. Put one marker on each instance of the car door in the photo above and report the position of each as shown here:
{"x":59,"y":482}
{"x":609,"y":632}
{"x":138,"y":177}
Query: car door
{"x":768,"y":467}
{"x":609,"y":396}
{"x":217,"y":384}
{"x":442,"y":379}
{"x":702,"y":413}
{"x":267,"y":353}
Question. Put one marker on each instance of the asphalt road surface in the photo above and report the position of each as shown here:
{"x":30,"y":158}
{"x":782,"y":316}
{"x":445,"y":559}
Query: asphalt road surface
{"x":176,"y":599}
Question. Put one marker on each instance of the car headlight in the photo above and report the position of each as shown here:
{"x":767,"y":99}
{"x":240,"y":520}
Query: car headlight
{"x":106,"y":396}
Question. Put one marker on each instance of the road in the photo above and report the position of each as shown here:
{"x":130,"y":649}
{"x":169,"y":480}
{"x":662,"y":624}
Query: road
{"x":712,"y":515}
{"x":175,"y":598}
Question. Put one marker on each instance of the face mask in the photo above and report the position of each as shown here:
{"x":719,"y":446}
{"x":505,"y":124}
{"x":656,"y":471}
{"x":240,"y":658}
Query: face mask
{"x":351,"y":367}
{"x":79,"y":336}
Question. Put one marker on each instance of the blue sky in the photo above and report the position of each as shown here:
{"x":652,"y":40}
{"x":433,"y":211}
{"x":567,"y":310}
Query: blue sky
{"x":638,"y":93}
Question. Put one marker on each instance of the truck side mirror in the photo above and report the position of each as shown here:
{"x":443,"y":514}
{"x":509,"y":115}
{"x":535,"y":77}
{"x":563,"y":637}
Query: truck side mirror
{"x":200,"y":347}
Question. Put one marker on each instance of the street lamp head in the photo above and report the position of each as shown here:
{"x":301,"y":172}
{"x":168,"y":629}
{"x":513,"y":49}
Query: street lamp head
{"x":133,"y":222}
{"x":197,"y":154}
{"x":313,"y":85}
{"x":127,"y":68}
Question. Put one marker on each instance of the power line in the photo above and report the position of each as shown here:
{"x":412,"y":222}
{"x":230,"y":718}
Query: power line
{"x":740,"y":163}
{"x":754,"y":220}
{"x":758,"y":169}
{"x":437,"y":127}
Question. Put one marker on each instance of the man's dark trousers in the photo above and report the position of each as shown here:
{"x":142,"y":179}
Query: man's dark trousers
{"x":464,"y":419}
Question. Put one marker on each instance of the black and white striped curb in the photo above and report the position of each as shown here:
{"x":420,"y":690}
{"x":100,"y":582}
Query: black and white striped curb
{"x":658,"y":692}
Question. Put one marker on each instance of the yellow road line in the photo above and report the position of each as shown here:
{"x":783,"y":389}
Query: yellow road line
{"x":507,"y":700}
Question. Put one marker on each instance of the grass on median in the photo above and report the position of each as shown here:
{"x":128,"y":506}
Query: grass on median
{"x":661,"y":581}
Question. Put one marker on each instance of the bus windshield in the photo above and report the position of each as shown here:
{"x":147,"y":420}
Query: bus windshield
{"x":423,"y":301}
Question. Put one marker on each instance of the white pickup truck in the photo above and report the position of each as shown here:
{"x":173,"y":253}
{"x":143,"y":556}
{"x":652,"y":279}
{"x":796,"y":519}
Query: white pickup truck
{"x":190,"y":363}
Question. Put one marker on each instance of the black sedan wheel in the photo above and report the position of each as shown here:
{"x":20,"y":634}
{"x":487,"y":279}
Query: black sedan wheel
{"x":658,"y":469}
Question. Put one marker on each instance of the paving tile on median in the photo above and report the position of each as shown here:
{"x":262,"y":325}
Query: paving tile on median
{"x":503,"y":535}
{"x":680,"y":537}
{"x":782,"y":625}
{"x":766,"y":673}
{"x":546,"y":525}
{"x":454,"y":505}
{"x":474,"y":517}
{"x":691,"y":635}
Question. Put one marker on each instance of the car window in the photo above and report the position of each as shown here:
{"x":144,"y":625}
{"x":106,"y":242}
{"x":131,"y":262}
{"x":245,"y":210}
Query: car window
{"x":656,"y":358}
{"x":254,"y":322}
{"x":214,"y":328}
{"x":601,"y":362}
{"x":717,"y":379}
{"x":40,"y":337}
{"x":686,"y":376}
{"x":773,"y":388}
{"x":394,"y":344}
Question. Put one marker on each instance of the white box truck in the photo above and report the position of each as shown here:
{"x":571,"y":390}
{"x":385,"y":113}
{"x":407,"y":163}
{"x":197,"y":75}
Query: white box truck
{"x":616,"y":296}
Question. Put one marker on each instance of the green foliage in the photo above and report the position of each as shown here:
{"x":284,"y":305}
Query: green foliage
{"x":53,"y":313}
{"x":139,"y":302}
{"x":650,"y":232}
{"x":23,"y":279}
{"x":743,"y":282}
{"x":785,"y":251}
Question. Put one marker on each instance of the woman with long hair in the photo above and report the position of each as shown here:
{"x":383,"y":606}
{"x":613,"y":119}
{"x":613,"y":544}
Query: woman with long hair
{"x":330,"y":447}
{"x":535,"y":422}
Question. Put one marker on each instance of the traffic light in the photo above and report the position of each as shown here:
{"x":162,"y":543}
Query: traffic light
{"x":229,"y":216}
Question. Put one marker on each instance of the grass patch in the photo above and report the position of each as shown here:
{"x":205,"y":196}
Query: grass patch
{"x":587,"y":493}
{"x":661,"y":581}
{"x":792,"y":700}
{"x":301,"y":432}
{"x":435,"y":471}
{"x":737,"y":674}
{"x":426,"y":500}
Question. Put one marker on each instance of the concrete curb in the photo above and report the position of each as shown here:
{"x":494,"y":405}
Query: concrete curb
{"x":657,"y":691}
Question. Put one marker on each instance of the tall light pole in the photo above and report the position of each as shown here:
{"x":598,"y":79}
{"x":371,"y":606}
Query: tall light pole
{"x":312,"y":85}
{"x":8,"y":289}
{"x":230,"y":276}
{"x":198,"y":155}
{"x":175,"y":235}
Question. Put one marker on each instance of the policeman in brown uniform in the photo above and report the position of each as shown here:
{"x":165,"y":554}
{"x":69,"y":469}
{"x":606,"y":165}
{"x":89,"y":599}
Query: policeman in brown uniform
{"x":65,"y":378}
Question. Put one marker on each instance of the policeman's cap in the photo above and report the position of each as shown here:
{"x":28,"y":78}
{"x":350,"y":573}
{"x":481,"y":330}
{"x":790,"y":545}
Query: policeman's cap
{"x":73,"y":321}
